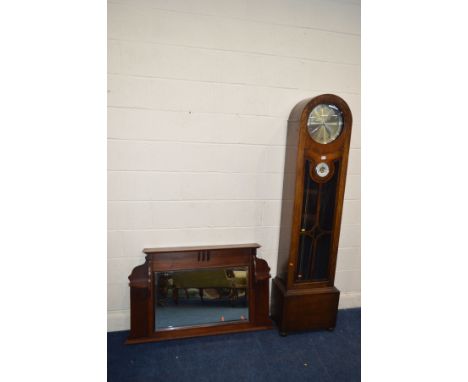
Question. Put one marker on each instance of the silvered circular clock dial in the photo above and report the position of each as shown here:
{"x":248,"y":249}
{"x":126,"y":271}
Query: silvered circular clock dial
{"x":322,"y":169}
{"x":325,"y":123}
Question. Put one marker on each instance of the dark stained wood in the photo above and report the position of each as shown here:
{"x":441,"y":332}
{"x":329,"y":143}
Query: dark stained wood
{"x":200,"y":257}
{"x":140,"y":297}
{"x":303,"y":309}
{"x":300,"y":305}
{"x":198,"y":248}
{"x":171,"y":261}
{"x":199,"y":331}
{"x":261,"y":284}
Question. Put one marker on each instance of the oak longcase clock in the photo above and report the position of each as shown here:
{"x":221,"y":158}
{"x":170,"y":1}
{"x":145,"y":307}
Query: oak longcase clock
{"x":303,"y":293}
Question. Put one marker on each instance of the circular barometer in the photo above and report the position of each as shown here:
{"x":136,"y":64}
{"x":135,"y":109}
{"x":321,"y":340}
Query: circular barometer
{"x":322,"y":169}
{"x":325,"y":123}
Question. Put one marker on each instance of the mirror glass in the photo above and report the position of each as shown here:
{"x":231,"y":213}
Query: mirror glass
{"x":325,"y":123}
{"x":200,"y":297}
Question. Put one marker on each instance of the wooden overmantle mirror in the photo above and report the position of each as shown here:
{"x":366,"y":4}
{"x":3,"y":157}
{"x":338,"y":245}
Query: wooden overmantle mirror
{"x":193,"y":291}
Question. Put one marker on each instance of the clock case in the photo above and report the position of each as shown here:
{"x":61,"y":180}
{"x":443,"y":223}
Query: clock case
{"x":303,"y":293}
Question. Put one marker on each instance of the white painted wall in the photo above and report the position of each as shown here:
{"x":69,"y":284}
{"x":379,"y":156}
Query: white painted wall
{"x":199,"y":93}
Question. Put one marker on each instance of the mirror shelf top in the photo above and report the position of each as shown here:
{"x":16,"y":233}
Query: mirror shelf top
{"x":199,"y":248}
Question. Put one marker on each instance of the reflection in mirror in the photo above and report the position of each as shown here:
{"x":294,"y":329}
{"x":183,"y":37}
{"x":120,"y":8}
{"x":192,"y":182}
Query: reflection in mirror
{"x":201,"y":296}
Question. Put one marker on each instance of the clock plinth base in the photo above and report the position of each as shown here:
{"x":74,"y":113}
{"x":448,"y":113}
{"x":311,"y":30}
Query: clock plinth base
{"x":303,"y":309}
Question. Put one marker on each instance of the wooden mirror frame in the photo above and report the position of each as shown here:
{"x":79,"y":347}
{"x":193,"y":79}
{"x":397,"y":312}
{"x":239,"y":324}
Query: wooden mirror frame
{"x":142,"y":287}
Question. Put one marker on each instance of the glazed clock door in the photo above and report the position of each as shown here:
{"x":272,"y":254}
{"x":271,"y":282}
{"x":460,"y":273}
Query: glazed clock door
{"x":316,"y":229}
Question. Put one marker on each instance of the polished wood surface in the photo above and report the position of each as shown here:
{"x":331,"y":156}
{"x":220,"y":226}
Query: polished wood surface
{"x":200,"y":247}
{"x":142,"y":280}
{"x":304,"y":309}
{"x":308,"y":304}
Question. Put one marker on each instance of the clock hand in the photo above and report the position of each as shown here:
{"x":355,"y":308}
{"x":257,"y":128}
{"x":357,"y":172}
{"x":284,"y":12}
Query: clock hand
{"x":315,"y":129}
